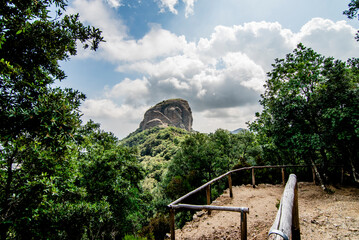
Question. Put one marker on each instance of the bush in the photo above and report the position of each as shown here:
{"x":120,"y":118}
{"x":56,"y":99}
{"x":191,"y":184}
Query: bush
{"x":157,"y":228}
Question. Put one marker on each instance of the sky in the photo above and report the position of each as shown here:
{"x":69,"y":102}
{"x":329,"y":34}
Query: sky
{"x":213,"y":53}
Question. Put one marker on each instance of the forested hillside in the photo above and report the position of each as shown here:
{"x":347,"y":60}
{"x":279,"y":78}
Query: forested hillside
{"x":176,"y":161}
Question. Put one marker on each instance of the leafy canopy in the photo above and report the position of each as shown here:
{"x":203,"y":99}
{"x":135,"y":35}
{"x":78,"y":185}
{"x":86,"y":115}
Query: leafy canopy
{"x":310,"y":108}
{"x":352,"y":12}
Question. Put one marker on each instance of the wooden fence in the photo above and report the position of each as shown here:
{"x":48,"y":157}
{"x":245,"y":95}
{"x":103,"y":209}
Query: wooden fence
{"x":244,"y":211}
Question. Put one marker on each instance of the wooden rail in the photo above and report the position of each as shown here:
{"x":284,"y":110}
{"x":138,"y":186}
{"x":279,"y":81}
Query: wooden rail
{"x":174,"y":205}
{"x":286,"y":223}
{"x":243,"y":210}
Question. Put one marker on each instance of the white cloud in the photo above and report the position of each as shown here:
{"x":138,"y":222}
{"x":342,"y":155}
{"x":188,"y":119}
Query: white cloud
{"x":156,"y":43}
{"x":189,"y":7}
{"x":221,"y":76}
{"x":108,"y":109}
{"x":260,"y":41}
{"x":329,"y":38}
{"x":133,"y":91}
{"x":119,"y":46}
{"x":226,"y":118}
{"x":170,"y":4}
{"x":180,"y":66}
{"x":101,"y":15}
{"x":114,"y":3}
{"x":239,"y":65}
{"x":121,"y":119}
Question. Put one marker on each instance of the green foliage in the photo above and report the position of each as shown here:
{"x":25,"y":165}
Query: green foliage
{"x":157,"y":227}
{"x":156,"y":147}
{"x":310,"y":109}
{"x":131,"y":237}
{"x":352,"y":12}
{"x":36,"y":121}
{"x":277,"y":204}
{"x":112,"y":173}
{"x":32,"y":44}
{"x":57,"y":180}
{"x":203,"y":157}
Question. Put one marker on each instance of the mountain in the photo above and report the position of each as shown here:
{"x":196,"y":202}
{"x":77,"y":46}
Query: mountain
{"x":172,"y":112}
{"x":238,"y":130}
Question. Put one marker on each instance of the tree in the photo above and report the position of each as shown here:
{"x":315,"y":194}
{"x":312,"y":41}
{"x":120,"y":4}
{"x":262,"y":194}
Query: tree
{"x":195,"y":163}
{"x":111,"y":173}
{"x":310,"y":108}
{"x":31,"y":46}
{"x":36,"y":121}
{"x":352,"y":12}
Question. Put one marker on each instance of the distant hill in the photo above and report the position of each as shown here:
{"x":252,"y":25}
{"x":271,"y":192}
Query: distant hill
{"x":238,"y":130}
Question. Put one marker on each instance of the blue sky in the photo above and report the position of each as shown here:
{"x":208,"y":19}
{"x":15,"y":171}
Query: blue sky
{"x":213,"y":53}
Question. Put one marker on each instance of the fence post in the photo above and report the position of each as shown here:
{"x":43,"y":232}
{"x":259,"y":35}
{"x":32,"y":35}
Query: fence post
{"x":172,"y":223}
{"x":283,"y":177}
{"x":208,"y":191}
{"x":253,"y":178}
{"x":230,"y":185}
{"x":243,"y":225}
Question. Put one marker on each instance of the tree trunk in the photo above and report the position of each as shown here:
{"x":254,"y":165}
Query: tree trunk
{"x":325,"y":164}
{"x":355,"y":174}
{"x":318,"y":175}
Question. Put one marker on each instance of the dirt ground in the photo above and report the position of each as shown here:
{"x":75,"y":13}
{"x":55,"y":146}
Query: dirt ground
{"x":321,"y":215}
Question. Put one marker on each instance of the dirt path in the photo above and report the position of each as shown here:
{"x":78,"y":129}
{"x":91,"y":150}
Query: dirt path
{"x":322,"y":216}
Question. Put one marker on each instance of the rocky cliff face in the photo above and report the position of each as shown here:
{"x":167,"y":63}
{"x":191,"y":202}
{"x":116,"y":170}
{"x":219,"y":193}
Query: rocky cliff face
{"x":173,"y":112}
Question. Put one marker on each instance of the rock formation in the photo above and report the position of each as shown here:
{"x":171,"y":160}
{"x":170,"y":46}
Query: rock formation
{"x":172,"y":112}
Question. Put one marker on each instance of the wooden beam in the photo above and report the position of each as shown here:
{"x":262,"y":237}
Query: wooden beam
{"x":243,"y":226}
{"x":295,"y":224}
{"x":230,"y":185}
{"x":211,"y":207}
{"x":283,"y":177}
{"x":282,"y":225}
{"x":208,"y":191}
{"x":172,"y":223}
{"x":253,"y":179}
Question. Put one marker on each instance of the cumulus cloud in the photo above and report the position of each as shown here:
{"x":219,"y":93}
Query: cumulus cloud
{"x":114,"y":3}
{"x":260,"y":41}
{"x":169,"y":4}
{"x":221,"y":76}
{"x":101,"y":15}
{"x":121,"y":119}
{"x":158,"y":42}
{"x":330,"y":38}
{"x":189,"y":7}
{"x":132,"y":91}
{"x":228,"y":118}
{"x":119,"y":46}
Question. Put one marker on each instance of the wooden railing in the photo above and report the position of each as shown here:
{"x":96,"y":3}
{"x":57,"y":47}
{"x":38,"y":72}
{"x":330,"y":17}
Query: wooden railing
{"x":176,"y":204}
{"x":286,"y":223}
